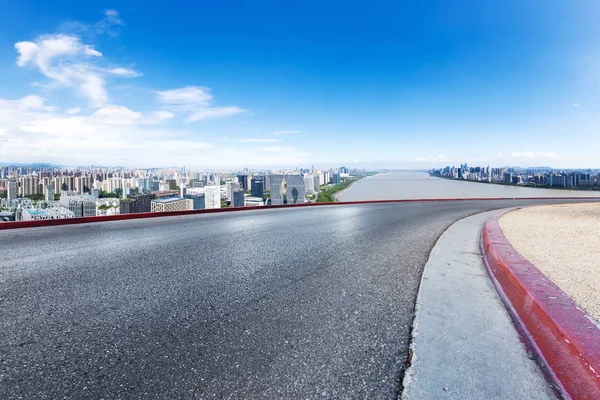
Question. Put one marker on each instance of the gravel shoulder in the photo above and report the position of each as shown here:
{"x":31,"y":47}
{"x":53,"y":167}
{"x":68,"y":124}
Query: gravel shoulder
{"x":563,"y":242}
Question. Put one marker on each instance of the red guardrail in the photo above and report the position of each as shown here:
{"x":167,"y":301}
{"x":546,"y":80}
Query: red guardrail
{"x":121,"y":217}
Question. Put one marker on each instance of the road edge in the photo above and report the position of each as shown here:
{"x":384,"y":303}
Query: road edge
{"x":566,"y":340}
{"x":120,"y":217}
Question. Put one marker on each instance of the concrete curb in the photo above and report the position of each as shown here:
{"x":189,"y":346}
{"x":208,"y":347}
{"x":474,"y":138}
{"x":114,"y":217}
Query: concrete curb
{"x":86,"y":220}
{"x":566,"y":339}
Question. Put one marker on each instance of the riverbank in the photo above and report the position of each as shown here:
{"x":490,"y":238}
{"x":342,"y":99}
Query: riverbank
{"x":579,"y":189}
{"x":354,"y":182}
{"x":329,"y":195}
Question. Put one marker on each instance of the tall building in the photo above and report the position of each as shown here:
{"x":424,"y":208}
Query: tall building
{"x":172,"y":204}
{"x":296,"y":191}
{"x":29,"y":185}
{"x":243,"y":181}
{"x":309,"y":184}
{"x":336,"y":179}
{"x":137,"y":204}
{"x":276,"y":190}
{"x":212,"y":195}
{"x":257,"y":187}
{"x":12,"y":190}
{"x":198,"y":199}
{"x":49,"y":194}
{"x":232,"y":187}
{"x":238,"y":198}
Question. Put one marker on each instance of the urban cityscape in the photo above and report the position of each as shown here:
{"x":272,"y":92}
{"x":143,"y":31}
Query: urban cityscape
{"x":588,"y":179}
{"x":42,"y":192}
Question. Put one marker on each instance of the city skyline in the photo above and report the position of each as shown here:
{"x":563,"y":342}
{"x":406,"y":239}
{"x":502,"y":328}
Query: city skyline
{"x":279,"y":86}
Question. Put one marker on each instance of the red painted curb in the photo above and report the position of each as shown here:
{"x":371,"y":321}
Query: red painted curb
{"x":566,"y":338}
{"x":120,"y":217}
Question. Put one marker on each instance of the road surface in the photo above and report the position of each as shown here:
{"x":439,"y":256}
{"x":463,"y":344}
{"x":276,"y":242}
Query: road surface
{"x":313,"y":302}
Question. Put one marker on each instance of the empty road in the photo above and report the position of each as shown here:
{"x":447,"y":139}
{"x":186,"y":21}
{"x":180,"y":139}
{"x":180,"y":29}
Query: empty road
{"x":310,"y":302}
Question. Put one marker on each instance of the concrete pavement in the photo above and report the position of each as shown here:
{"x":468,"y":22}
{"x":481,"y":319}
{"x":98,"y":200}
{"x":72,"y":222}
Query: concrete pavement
{"x":465,"y":344}
{"x":309,"y":302}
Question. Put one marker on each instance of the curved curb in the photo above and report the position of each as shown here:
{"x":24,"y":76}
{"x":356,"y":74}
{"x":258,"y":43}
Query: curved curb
{"x":563,"y":335}
{"x":120,"y":217}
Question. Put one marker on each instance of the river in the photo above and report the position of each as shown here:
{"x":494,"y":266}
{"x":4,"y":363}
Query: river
{"x":419,"y":185}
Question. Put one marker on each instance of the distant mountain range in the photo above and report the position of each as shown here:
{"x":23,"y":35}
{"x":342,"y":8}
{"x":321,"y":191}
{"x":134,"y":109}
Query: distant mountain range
{"x":33,"y":165}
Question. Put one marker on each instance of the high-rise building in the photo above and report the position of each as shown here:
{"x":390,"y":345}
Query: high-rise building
{"x":276,"y":190}
{"x":309,"y":184}
{"x":49,"y":194}
{"x":198,"y":199}
{"x":232,"y":187}
{"x":243,"y":181}
{"x":238,"y":198}
{"x":29,"y":185}
{"x":212,"y":195}
{"x":12,"y":190}
{"x":296,"y":190}
{"x":336,"y":180}
{"x":257,"y":187}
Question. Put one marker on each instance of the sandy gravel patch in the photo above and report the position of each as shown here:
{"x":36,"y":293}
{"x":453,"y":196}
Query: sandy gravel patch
{"x":562,"y":241}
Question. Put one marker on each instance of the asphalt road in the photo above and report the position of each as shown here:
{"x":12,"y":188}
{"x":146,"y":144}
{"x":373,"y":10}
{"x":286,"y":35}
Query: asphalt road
{"x":293,"y":303}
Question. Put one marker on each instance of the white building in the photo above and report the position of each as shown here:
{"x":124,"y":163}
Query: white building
{"x":48,"y":213}
{"x":82,"y":206}
{"x":172,"y":204}
{"x":231,"y":188}
{"x":212,"y":195}
{"x":310,"y":183}
{"x":108,"y":206}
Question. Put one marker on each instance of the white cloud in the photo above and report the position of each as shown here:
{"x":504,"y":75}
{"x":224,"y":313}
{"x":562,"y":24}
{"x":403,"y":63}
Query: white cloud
{"x":575,"y":104}
{"x":195,"y":103}
{"x":184,"y":98}
{"x":534,"y":155}
{"x":68,"y":62}
{"x":72,"y":111}
{"x":158,"y":116}
{"x":256,"y":140}
{"x":286,"y":132}
{"x":112,"y":114}
{"x":278,"y":149}
{"x":124,"y":72}
{"x":213,"y":112}
{"x":110,"y":23}
{"x":113,"y":134}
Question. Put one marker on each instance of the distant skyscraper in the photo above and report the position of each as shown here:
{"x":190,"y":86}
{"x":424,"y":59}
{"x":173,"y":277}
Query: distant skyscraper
{"x":257,"y":187}
{"x":296,"y":190}
{"x":12,"y":190}
{"x":49,"y":194}
{"x":212,"y":194}
{"x":243,"y":181}
{"x":230,"y":188}
{"x":336,"y":179}
{"x":238,"y":198}
{"x":276,"y":189}
{"x":199,"y":200}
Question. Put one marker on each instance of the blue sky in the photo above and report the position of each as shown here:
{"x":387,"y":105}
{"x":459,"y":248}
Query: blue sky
{"x":286,"y":84}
